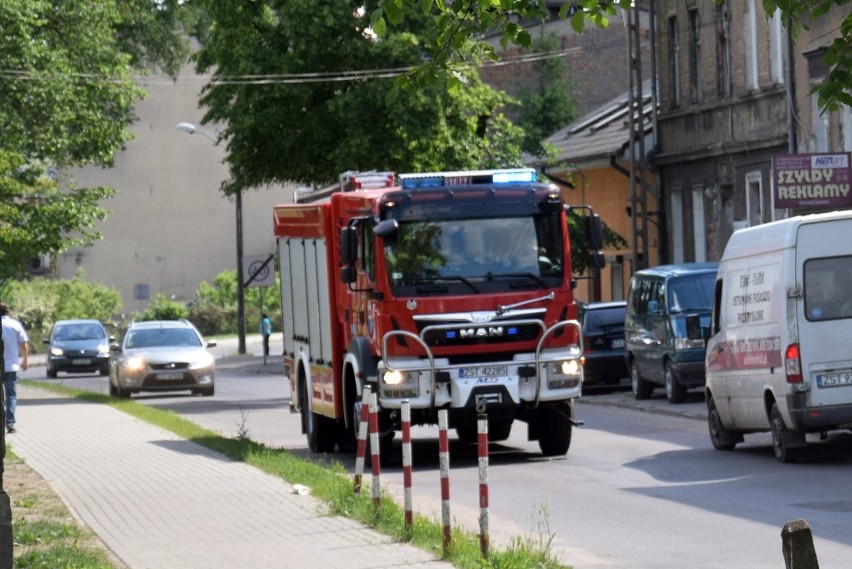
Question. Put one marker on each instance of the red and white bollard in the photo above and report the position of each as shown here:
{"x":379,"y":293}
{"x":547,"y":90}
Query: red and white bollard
{"x":362,"y":438}
{"x":482,"y":453}
{"x":374,"y":450}
{"x":444,"y":459}
{"x":406,"y":464}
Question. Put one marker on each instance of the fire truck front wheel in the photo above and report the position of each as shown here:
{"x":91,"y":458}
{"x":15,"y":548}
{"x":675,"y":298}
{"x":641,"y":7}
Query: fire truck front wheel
{"x":554,"y":428}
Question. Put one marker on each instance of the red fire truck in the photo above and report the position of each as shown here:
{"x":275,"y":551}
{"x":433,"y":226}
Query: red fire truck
{"x":452,"y":290}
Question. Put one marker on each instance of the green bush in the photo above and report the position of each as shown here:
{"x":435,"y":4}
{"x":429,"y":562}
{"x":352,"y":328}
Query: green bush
{"x":40,"y":302}
{"x":219,"y":300}
{"x":212,"y":320}
{"x":164,"y":308}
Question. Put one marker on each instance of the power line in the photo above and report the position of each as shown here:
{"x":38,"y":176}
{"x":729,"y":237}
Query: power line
{"x":278,"y":79}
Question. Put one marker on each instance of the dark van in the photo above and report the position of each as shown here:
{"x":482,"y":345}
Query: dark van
{"x":657,"y":350}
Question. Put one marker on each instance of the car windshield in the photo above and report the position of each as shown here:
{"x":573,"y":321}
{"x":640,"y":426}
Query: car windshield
{"x":73,"y":332}
{"x":161,"y":337}
{"x":693,"y":293}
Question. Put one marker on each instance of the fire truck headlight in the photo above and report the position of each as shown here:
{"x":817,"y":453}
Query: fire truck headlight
{"x":563,"y":375}
{"x":393,"y":377}
{"x":400,"y":384}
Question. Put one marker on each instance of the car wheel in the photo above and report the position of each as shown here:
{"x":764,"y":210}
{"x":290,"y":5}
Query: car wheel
{"x":675,"y":391}
{"x":104,"y":371}
{"x":641,"y":388}
{"x":779,"y":429}
{"x":720,"y":436}
{"x":113,"y":392}
{"x":51,"y":373}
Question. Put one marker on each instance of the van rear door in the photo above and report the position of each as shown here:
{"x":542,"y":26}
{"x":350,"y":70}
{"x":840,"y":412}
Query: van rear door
{"x":824,"y":312}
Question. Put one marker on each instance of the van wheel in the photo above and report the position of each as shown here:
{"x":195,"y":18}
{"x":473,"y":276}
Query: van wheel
{"x":720,"y":436}
{"x":675,"y":391}
{"x":779,"y":430}
{"x":641,"y":388}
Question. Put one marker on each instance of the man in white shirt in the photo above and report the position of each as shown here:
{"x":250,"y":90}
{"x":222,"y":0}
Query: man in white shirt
{"x":15,"y":354}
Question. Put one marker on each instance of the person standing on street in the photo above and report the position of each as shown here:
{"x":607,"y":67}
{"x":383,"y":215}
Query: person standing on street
{"x":15,"y":355}
{"x":266,"y":331}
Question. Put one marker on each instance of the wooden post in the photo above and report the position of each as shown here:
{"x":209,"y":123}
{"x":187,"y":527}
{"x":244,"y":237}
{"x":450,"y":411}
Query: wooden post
{"x":6,"y":539}
{"x":797,"y":543}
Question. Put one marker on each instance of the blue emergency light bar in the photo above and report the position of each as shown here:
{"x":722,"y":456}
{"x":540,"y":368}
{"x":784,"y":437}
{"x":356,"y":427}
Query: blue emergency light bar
{"x":468,"y":177}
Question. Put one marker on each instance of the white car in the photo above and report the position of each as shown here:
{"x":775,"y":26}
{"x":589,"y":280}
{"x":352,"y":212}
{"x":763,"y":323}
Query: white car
{"x":161,"y":355}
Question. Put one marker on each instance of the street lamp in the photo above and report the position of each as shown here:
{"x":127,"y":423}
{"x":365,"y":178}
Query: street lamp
{"x":190,"y":128}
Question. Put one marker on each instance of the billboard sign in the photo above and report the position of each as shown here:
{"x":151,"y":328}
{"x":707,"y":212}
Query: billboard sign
{"x":812,"y":180}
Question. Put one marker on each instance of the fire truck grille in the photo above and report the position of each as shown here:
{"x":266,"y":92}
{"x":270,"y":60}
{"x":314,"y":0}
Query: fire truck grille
{"x":480,"y":334}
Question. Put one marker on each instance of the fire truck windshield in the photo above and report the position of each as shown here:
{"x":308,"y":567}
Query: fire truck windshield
{"x":464,"y":256}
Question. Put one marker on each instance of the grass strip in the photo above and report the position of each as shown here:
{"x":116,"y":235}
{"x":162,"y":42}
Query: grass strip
{"x":331,"y":483}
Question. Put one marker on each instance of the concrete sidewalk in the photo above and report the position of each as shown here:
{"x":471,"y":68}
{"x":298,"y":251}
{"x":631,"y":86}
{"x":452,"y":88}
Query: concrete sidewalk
{"x":161,"y":502}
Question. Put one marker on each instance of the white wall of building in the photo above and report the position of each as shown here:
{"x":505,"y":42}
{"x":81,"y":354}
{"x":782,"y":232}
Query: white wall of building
{"x":169,"y":227}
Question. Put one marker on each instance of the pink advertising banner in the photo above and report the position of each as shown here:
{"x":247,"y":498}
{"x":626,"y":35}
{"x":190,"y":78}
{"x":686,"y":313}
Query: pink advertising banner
{"x":812,"y":180}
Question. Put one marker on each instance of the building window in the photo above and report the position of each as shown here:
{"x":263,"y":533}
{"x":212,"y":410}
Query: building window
{"x":694,"y":56}
{"x":674,"y":61}
{"x":754,"y":198}
{"x":677,"y":227}
{"x":820,"y":126}
{"x":141,"y":292}
{"x":616,"y":280}
{"x":723,"y":51}
{"x":750,"y":47}
{"x":776,"y":49}
{"x":846,"y":127}
{"x":699,"y":228}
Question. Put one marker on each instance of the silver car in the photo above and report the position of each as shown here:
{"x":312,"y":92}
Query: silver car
{"x":161,"y":355}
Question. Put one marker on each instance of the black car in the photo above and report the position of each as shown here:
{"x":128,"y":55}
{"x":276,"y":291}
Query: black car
{"x":77,"y":346}
{"x":603,"y":343}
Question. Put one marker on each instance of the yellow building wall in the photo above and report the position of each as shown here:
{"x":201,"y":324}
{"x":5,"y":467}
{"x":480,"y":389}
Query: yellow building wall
{"x":608,"y":193}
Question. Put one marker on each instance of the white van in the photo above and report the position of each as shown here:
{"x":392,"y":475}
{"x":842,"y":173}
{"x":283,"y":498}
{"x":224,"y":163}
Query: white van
{"x":779,"y":356}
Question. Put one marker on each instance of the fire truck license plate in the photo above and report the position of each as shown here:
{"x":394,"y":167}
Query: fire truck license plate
{"x":834,"y":379}
{"x":483,"y":371}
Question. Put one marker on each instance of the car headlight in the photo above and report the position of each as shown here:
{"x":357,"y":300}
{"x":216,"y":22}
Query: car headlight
{"x":103,"y":349}
{"x":56,"y":351}
{"x":134,"y":364}
{"x":204,"y":361}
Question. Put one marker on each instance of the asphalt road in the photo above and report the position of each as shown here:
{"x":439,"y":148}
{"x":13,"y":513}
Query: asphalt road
{"x":641,"y":486}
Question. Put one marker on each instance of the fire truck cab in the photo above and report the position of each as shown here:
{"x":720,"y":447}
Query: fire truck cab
{"x":451,"y":290}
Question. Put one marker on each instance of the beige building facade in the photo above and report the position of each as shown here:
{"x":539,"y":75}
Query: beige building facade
{"x":169,"y":227}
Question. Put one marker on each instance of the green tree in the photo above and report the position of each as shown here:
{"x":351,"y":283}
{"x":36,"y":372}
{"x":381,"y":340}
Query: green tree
{"x":66,"y":100}
{"x":322,"y":120}
{"x":548,"y":106}
{"x":462,"y":25}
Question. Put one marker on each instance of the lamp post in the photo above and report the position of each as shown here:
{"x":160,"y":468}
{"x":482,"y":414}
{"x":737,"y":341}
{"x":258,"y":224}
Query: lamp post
{"x":190,"y":128}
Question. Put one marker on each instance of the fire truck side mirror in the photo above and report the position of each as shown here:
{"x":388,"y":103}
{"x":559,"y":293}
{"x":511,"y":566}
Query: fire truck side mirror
{"x":386,"y":227}
{"x":348,"y":246}
{"x":594,"y":231}
{"x":348,"y":274}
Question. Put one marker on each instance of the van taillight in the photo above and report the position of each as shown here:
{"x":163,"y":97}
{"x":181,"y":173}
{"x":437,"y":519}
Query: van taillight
{"x":793,"y":364}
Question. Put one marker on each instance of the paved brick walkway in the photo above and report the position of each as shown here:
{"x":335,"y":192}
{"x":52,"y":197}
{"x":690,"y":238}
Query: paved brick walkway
{"x":161,"y":502}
